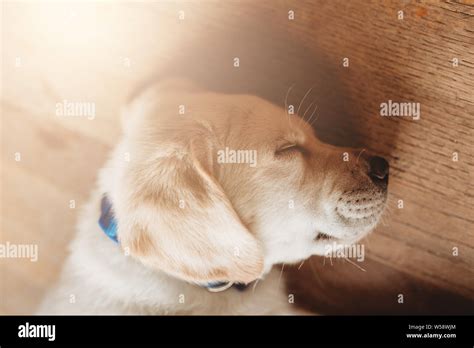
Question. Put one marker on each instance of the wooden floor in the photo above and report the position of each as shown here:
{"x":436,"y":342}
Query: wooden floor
{"x":99,"y":52}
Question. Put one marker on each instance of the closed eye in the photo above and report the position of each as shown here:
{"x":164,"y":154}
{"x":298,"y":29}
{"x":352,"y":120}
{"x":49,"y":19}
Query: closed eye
{"x":289,"y":148}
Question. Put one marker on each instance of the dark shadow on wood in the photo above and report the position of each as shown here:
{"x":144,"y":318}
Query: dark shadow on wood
{"x":339,"y":288}
{"x":271,"y":61}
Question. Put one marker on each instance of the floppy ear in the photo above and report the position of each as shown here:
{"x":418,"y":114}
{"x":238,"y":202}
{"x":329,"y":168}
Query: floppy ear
{"x":174,"y":216}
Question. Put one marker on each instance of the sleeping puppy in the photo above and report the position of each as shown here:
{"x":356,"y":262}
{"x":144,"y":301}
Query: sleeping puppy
{"x":203,"y":195}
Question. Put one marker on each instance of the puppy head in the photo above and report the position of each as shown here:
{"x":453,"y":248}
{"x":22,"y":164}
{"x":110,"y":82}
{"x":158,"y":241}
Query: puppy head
{"x":233,"y":185}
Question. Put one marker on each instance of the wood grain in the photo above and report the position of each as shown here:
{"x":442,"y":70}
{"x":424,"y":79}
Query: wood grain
{"x":99,"y":52}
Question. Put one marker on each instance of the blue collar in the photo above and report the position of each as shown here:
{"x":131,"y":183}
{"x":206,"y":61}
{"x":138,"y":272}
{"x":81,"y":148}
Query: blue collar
{"x":107,"y":219}
{"x":108,"y":224}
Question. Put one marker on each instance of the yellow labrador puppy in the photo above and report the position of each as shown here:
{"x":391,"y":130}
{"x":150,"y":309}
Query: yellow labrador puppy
{"x":202,"y":196}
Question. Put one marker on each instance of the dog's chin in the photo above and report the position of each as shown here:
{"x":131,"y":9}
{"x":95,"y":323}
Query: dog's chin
{"x":352,"y":219}
{"x":323,"y":239}
{"x":343,"y":235}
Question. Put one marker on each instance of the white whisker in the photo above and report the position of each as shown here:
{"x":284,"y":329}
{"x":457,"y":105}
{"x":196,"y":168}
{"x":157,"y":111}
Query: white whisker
{"x":353,"y":263}
{"x":360,"y":153}
{"x":302,"y":100}
{"x":307,"y":109}
{"x":311,"y":117}
{"x":255,"y":285}
{"x":281,"y":273}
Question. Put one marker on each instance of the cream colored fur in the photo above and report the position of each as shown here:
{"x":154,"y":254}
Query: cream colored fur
{"x":186,"y":219}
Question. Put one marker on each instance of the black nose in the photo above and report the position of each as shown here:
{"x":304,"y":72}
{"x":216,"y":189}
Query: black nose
{"x":378,"y":171}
